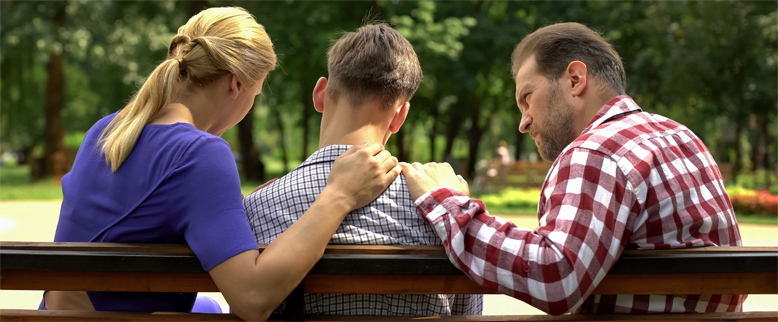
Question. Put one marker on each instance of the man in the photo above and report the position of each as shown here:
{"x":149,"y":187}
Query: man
{"x":621,"y":178}
{"x":373,"y":73}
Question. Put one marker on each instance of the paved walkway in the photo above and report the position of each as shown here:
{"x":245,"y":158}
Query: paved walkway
{"x":37,"y":221}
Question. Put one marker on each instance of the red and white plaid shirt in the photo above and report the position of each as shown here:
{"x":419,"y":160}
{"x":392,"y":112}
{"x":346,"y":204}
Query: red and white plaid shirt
{"x":632,"y":180}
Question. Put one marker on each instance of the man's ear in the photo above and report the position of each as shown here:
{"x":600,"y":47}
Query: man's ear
{"x":235,"y":87}
{"x":399,"y":117}
{"x":576,"y":77}
{"x":319,"y":93}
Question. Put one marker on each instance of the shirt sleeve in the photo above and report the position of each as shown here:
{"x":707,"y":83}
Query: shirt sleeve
{"x":585,"y":208}
{"x":206,"y":202}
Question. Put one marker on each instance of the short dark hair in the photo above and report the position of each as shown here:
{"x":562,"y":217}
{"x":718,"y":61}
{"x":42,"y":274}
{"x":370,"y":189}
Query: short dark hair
{"x":375,"y":61}
{"x":556,"y":46}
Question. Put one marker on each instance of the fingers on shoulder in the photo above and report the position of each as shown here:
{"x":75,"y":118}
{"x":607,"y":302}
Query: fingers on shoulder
{"x":372,"y":149}
{"x":392,"y":174}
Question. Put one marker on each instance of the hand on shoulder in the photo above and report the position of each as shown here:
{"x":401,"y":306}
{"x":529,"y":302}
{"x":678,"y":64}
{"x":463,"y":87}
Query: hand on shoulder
{"x":425,"y":178}
{"x":362,"y":173}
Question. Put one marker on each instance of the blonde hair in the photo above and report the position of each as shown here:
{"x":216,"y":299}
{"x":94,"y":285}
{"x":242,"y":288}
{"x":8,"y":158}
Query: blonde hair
{"x":212,"y":44}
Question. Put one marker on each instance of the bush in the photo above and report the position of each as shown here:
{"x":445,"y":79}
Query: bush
{"x":755,"y":202}
{"x":744,"y":201}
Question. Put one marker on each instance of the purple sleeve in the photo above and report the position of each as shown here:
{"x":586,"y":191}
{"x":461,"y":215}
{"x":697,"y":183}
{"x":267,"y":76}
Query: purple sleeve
{"x":207,"y":203}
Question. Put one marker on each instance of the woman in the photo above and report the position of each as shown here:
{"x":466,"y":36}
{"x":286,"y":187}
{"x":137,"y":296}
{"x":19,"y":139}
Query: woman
{"x":157,"y":172}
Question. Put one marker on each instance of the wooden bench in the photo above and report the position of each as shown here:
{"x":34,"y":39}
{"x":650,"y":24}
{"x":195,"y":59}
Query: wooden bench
{"x":366,"y":270}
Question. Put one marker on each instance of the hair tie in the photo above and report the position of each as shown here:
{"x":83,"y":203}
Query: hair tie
{"x":181,"y":64}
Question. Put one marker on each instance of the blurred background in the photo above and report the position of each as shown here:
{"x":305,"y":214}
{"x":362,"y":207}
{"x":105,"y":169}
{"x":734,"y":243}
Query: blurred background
{"x":711,"y":65}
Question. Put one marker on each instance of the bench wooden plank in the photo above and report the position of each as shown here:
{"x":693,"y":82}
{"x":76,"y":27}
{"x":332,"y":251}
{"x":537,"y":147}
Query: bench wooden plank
{"x":728,"y":283}
{"x":376,"y":269}
{"x":331,"y":249}
{"x":184,"y":249}
{"x":32,"y":315}
{"x":364,"y":260}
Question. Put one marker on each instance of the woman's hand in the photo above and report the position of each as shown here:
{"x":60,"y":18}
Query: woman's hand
{"x":424,"y":178}
{"x":361,"y":174}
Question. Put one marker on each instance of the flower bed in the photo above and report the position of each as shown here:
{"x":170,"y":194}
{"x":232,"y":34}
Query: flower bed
{"x":744,"y":201}
{"x":754,"y":202}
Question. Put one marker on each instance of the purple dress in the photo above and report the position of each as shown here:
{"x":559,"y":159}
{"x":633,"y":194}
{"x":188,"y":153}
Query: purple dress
{"x":179,"y":185}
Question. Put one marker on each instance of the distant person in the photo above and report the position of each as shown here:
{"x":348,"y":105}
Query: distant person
{"x":373,"y":73}
{"x":158,"y":172}
{"x":621,"y":179}
{"x":505,"y":160}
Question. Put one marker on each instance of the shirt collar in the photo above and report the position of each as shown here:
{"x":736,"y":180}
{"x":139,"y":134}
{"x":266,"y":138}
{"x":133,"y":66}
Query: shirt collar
{"x":326,"y":154}
{"x":615,"y":108}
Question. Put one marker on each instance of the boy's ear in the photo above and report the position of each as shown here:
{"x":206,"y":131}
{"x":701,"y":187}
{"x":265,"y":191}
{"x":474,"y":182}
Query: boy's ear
{"x":399,"y":117}
{"x":319,"y":93}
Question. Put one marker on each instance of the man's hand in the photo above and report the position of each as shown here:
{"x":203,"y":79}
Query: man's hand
{"x":424,"y":178}
{"x":362,"y":173}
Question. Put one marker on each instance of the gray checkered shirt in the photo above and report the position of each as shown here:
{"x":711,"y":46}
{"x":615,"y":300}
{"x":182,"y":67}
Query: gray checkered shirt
{"x":391,"y":219}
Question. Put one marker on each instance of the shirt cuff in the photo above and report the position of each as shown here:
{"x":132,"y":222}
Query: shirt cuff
{"x":431,"y":200}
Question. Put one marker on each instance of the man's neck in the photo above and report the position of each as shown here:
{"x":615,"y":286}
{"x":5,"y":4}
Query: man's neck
{"x":590,"y":111}
{"x":348,"y":125}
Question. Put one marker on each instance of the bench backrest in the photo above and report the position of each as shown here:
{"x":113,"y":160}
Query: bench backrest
{"x":371,"y":269}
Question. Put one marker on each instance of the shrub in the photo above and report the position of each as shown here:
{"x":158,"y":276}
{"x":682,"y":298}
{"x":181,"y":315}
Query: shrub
{"x":744,"y":201}
{"x":758,"y":202}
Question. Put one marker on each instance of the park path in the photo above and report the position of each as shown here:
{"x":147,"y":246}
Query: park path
{"x":37,"y":221}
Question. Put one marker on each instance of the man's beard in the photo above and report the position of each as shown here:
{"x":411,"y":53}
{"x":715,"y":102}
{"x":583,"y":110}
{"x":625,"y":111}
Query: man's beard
{"x":557,"y":132}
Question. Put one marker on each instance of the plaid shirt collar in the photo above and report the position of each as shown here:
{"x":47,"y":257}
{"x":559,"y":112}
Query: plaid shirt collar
{"x":325,"y":154}
{"x":617,"y":107}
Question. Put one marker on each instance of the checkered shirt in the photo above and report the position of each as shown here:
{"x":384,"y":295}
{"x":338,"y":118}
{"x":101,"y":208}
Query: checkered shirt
{"x":391,"y":219}
{"x":631,"y":180}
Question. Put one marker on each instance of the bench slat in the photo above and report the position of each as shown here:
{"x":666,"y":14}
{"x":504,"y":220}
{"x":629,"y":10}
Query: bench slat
{"x":352,"y":261}
{"x":184,"y":249}
{"x":375,"y":269}
{"x":331,"y":249}
{"x":32,"y":315}
{"x":728,"y":283}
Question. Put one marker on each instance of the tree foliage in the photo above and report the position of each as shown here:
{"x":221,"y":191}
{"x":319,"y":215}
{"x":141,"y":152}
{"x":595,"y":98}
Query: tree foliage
{"x":708,"y":64}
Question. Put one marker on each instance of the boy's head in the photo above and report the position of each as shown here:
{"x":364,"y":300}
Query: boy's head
{"x":375,"y":62}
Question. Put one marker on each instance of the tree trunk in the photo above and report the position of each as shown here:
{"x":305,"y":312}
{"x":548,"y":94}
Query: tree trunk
{"x":401,"y":148}
{"x":434,"y":131}
{"x":251,"y":164}
{"x":306,"y":91}
{"x":474,"y":135}
{"x":474,"y":141}
{"x":738,"y":164}
{"x":519,"y":143}
{"x":453,"y":129}
{"x":758,"y":146}
{"x":765,"y":144}
{"x":284,"y":156}
{"x":54,"y":154}
{"x":54,"y":160}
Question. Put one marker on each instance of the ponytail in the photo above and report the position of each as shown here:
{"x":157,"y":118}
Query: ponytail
{"x":214,"y":43}
{"x":119,"y":137}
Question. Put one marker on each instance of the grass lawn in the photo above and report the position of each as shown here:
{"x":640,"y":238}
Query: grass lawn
{"x":15,"y":185}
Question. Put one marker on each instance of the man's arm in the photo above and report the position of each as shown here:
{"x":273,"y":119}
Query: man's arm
{"x":586,"y":205}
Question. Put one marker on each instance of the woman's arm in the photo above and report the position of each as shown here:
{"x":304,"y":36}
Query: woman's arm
{"x":255,"y":285}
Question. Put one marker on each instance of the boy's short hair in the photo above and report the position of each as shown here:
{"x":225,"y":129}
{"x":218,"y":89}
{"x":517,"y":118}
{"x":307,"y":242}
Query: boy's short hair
{"x":373,"y":62}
